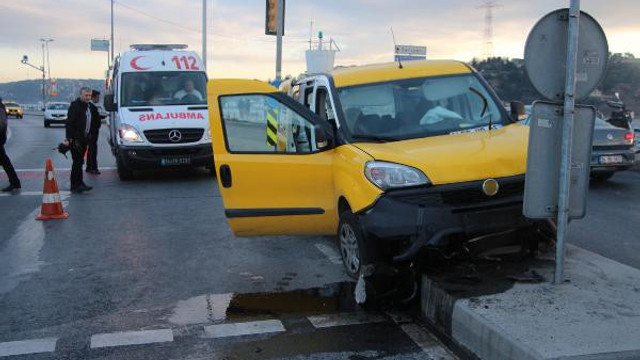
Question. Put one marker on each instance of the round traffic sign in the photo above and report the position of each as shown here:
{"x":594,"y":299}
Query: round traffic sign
{"x":545,"y":55}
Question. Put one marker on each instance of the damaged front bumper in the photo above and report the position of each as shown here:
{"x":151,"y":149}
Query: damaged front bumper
{"x":424,"y":217}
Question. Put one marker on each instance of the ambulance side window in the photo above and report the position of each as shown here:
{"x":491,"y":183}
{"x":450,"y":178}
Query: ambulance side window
{"x":262,"y":124}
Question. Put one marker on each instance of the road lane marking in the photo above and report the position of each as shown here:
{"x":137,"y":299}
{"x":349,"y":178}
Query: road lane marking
{"x":427,"y":342}
{"x":344,"y":319}
{"x":63,"y":194}
{"x":27,"y":347}
{"x":131,"y":338}
{"x":240,"y":329}
{"x":330,"y":253}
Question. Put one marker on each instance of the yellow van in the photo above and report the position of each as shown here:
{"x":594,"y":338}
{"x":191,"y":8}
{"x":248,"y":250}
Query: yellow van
{"x":390,"y":158}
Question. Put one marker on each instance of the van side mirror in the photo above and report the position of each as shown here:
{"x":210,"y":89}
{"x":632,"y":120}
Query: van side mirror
{"x":321,"y":136}
{"x":518,"y":111}
{"x":109,"y":103}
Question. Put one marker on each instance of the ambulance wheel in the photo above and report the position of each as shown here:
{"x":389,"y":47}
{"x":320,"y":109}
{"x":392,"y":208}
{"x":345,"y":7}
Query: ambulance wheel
{"x":124,"y":173}
{"x":355,"y":250}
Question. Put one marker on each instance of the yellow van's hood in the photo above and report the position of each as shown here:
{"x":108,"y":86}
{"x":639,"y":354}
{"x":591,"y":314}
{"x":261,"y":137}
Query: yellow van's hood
{"x":462,"y":157}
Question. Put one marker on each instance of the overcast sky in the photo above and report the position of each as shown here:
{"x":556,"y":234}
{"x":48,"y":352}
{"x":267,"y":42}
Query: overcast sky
{"x":237,"y":44}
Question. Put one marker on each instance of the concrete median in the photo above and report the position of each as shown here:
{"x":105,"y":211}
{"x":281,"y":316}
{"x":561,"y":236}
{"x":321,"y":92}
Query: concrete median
{"x":594,"y":315}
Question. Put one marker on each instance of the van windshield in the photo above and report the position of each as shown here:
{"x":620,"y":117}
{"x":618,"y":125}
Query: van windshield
{"x":163,"y":88}
{"x":420,"y":107}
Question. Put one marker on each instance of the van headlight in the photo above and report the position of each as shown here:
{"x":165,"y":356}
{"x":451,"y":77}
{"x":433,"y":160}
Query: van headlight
{"x":387,"y":175}
{"x":207,"y":135}
{"x":129,"y":134}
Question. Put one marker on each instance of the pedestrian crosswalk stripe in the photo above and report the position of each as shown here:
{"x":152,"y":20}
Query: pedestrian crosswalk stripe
{"x":330,"y":253}
{"x":344,"y":319}
{"x":27,"y":347}
{"x":427,"y":342}
{"x":246,"y":328}
{"x":131,"y":338}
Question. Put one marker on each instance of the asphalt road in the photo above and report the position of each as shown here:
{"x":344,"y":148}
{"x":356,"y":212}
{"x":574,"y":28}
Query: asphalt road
{"x":149,"y":269}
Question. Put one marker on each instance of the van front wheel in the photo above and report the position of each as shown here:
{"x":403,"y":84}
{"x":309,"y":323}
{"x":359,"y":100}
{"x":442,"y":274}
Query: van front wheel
{"x":124,"y":173}
{"x":355,"y":250}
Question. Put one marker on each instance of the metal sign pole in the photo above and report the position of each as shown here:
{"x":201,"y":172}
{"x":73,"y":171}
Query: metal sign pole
{"x":565,"y":168}
{"x":204,"y":34}
{"x":280,"y":28}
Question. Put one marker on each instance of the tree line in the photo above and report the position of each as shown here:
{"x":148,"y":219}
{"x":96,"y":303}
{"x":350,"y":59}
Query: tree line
{"x":510,"y":80}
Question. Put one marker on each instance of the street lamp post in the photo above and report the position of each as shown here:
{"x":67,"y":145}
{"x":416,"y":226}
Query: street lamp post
{"x":46,"y":45}
{"x":25,"y":60}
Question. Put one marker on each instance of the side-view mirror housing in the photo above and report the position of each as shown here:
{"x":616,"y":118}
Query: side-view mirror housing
{"x":109,"y":103}
{"x":518,"y":111}
{"x":323,"y":138}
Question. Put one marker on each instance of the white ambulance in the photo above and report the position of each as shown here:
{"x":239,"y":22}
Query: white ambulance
{"x":158,"y":103}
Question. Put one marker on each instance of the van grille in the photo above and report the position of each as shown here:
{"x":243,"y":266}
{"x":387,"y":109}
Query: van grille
{"x":475,"y":195}
{"x":161,"y":136}
{"x":460,"y":196}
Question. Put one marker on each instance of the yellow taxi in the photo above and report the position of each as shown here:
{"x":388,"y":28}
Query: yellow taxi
{"x":14,"y":109}
{"x":392,"y":159}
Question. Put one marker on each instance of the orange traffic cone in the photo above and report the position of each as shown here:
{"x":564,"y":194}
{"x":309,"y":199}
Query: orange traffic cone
{"x":51,"y":202}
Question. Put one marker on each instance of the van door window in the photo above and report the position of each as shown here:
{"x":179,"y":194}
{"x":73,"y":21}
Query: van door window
{"x":323,"y":107}
{"x":262,"y":124}
{"x":308,"y":97}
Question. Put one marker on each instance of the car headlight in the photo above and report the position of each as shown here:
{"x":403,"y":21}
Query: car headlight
{"x":389,"y":175}
{"x":129,"y":134}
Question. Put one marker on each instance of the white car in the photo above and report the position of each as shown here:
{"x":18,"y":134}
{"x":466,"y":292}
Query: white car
{"x":55,"y":113}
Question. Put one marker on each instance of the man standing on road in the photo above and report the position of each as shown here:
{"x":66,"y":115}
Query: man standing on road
{"x":78,"y":127}
{"x":14,"y":182}
{"x":97,"y":114}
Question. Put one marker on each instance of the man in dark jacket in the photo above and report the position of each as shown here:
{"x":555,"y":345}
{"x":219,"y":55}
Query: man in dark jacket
{"x":14,"y":182}
{"x":78,"y":127}
{"x":96,"y":121}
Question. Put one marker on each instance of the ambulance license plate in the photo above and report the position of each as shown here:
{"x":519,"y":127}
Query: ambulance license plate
{"x":610,"y":159}
{"x":175,"y":161}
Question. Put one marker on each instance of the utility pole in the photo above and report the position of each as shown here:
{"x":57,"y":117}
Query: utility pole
{"x":46,"y":45}
{"x":112,"y":57}
{"x":204,"y":34}
{"x":280,"y":30}
{"x":25,"y":60}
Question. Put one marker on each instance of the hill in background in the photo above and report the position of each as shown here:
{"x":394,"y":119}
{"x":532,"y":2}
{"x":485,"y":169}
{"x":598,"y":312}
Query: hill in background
{"x":30,"y":91}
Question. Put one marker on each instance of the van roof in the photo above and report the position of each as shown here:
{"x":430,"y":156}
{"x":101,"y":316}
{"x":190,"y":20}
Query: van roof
{"x":367,"y":74}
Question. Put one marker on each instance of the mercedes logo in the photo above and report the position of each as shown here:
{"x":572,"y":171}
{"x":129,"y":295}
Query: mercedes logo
{"x":175,"y":136}
{"x":610,"y":137}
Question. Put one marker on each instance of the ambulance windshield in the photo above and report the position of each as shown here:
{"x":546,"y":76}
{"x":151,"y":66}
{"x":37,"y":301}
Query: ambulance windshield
{"x":163,"y":88}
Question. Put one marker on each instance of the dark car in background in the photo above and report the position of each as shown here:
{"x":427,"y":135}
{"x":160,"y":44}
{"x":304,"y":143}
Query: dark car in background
{"x":615,"y":141}
{"x":613,"y":149}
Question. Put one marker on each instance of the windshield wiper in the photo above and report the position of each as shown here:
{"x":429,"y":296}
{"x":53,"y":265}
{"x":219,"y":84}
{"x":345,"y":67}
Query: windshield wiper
{"x":373,"y":137}
{"x":486,"y":105}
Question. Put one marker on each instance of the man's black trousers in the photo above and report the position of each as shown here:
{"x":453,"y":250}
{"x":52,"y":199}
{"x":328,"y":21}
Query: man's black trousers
{"x":78,"y":149}
{"x":92,"y":157}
